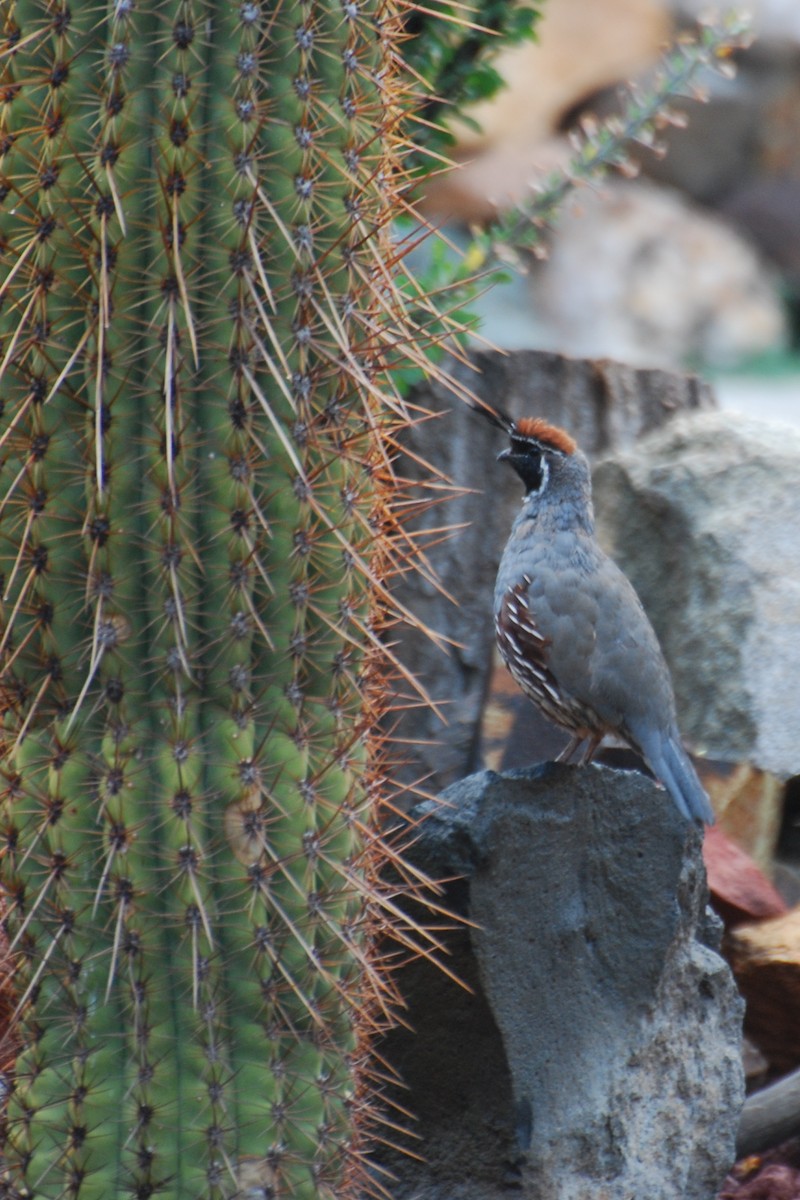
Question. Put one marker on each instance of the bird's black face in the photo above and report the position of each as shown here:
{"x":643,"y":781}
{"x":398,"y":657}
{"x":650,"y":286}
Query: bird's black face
{"x":529,"y":461}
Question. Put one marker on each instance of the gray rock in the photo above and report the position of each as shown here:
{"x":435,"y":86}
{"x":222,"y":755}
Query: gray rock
{"x":636,"y":272}
{"x":704,"y":520}
{"x":604,"y":405}
{"x":599,"y":1051}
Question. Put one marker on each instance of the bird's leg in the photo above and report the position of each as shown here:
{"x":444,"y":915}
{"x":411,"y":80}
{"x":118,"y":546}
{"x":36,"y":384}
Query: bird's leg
{"x":566,"y":754}
{"x":589,"y":752}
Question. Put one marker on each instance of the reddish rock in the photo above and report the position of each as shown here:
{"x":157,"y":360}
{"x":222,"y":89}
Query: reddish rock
{"x":773,"y":1183}
{"x":740,"y":891}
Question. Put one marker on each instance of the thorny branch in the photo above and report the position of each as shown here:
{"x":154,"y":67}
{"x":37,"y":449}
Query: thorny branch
{"x":604,"y":147}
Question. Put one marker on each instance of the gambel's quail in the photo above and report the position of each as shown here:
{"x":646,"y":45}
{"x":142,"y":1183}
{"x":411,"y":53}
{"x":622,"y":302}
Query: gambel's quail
{"x":569,"y":625}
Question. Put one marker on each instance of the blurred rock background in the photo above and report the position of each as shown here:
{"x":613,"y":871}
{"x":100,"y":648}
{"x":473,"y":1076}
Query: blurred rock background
{"x":694,"y":263}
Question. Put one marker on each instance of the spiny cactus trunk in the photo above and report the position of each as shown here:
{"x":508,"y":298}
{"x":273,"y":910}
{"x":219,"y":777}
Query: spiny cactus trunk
{"x":195,"y":520}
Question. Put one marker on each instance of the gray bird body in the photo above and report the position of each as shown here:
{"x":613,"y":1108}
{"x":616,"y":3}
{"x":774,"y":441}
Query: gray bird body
{"x":575,"y":636}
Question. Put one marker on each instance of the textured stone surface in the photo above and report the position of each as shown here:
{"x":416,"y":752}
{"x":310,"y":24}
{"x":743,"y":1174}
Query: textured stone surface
{"x":599,"y":1052}
{"x":605,"y":406}
{"x":704,"y":520}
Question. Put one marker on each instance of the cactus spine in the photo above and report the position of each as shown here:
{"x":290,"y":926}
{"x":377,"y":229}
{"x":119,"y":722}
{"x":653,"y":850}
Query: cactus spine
{"x":196,"y":516}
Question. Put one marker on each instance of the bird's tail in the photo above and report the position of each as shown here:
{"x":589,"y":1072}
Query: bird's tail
{"x":671,"y":764}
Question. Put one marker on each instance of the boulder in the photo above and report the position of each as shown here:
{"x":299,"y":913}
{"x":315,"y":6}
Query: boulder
{"x":598,"y":1050}
{"x":636,"y":272}
{"x":703,"y":518}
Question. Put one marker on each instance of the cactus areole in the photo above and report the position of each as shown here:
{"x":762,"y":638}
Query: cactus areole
{"x":197,"y":516}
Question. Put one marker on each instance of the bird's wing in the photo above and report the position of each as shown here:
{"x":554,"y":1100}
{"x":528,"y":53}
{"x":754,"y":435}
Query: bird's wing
{"x":522,"y":643}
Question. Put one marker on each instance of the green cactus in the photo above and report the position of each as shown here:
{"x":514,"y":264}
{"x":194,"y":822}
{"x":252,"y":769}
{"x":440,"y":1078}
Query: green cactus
{"x":197,"y":518}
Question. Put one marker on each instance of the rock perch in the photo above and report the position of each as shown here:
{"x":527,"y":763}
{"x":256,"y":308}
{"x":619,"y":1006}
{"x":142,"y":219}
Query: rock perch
{"x":598,"y":1053}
